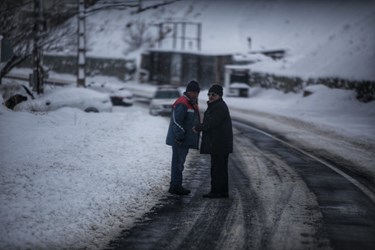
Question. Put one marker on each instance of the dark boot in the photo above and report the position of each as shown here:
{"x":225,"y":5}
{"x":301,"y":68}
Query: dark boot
{"x":179,"y":190}
{"x":216,"y":195}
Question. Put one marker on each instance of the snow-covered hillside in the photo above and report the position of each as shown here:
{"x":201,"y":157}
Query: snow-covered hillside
{"x":323,"y":38}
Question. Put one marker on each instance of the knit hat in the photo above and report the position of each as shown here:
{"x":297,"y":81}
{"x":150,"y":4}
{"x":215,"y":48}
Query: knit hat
{"x":193,"y":86}
{"x":217,"y":89}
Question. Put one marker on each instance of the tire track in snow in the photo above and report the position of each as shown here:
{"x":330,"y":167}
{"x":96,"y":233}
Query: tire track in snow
{"x":279,"y":199}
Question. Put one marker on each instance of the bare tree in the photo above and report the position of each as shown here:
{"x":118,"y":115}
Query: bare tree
{"x":17,"y":26}
{"x":17,"y":20}
{"x":19,"y":35}
{"x":139,"y":5}
{"x":136,"y":33}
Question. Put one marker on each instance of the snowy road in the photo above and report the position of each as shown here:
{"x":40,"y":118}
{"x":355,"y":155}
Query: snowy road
{"x":279,"y":199}
{"x":71,"y":179}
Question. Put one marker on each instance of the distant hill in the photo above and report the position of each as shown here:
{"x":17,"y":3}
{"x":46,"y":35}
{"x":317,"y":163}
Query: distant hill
{"x":323,"y":38}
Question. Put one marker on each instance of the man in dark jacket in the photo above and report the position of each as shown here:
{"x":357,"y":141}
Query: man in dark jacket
{"x":217,"y":140}
{"x":181,"y":136}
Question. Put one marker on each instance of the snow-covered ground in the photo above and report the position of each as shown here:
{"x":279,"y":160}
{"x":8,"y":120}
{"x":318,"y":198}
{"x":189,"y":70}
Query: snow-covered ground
{"x":75,"y":179}
{"x":71,"y":179}
{"x":332,"y":121}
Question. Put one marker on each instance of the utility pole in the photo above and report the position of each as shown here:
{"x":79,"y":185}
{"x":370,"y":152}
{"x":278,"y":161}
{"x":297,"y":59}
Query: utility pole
{"x":38,"y":73}
{"x":199,"y":36}
{"x":161,"y":36}
{"x":139,"y":5}
{"x":183,"y":35}
{"x":1,"y":43}
{"x":81,"y":73}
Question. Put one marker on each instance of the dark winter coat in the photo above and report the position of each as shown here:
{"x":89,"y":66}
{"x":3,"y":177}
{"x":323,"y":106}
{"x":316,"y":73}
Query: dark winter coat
{"x":185,"y":116}
{"x":217,"y":135}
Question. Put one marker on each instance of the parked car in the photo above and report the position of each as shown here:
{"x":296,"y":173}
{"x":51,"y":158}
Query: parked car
{"x":163,"y":99}
{"x":119,"y":95}
{"x":85,"y":99}
{"x":122,"y":97}
{"x":14,"y":93}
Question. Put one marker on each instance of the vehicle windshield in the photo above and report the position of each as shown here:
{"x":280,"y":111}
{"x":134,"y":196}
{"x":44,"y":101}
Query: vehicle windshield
{"x":167,"y":94}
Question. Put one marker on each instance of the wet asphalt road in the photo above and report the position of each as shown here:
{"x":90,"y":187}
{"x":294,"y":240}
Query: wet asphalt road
{"x":279,"y":199}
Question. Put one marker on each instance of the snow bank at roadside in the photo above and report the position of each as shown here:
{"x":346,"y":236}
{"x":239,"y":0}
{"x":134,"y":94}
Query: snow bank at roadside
{"x":334,"y":108}
{"x":70,"y":179}
{"x":330,"y":121}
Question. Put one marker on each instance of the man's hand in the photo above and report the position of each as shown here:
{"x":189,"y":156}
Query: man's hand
{"x":198,"y":128}
{"x":178,"y":142}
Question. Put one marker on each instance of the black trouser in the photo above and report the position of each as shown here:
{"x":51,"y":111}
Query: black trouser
{"x":219,"y":173}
